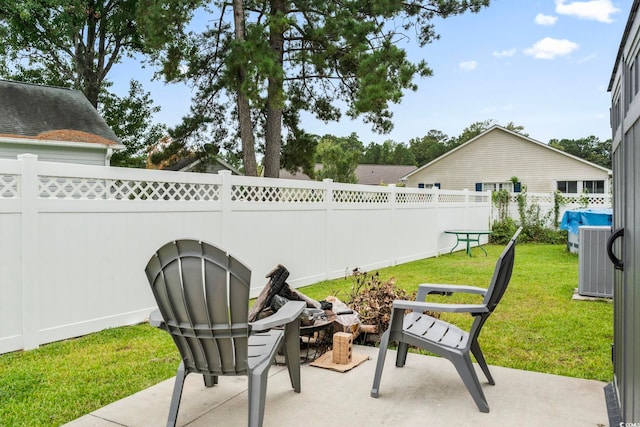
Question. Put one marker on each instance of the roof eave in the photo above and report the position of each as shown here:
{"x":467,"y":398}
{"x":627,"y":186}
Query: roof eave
{"x":73,"y":144}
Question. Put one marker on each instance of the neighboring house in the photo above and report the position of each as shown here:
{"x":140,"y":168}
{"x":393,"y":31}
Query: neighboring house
{"x":382,"y":174}
{"x":365,"y":174}
{"x":202,"y":165}
{"x":56,"y":124}
{"x":489,"y":161}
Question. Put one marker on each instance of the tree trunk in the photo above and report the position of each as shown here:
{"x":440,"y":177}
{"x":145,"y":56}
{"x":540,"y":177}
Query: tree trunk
{"x":91,"y":86}
{"x":242,"y":102}
{"x":273,"y":130}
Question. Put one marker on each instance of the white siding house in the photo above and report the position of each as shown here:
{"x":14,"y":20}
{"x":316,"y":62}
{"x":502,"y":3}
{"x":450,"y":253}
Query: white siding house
{"x":56,"y":124}
{"x":489,"y":161}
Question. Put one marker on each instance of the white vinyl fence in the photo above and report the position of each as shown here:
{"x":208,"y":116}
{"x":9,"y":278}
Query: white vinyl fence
{"x":546,"y":203}
{"x":76,"y":239}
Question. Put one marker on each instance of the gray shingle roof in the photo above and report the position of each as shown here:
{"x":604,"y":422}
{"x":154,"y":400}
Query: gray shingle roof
{"x":27,"y":110}
{"x":365,"y":174}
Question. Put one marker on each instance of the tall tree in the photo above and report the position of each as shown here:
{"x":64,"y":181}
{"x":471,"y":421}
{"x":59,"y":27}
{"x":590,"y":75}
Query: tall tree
{"x":388,"y":153}
{"x":434,"y":144}
{"x":477,"y":128}
{"x":242,"y":101}
{"x":589,"y":148}
{"x":339,"y":158}
{"x":130,"y":118}
{"x":300,"y":55}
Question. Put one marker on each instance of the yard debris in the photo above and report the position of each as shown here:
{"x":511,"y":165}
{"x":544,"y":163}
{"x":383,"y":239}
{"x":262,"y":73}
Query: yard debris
{"x":373,"y":299}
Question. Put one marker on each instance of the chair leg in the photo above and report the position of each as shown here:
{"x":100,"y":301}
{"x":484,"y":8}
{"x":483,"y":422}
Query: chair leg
{"x":382,"y":354}
{"x":257,"y":394}
{"x":401,"y":357}
{"x":177,"y":394}
{"x":468,"y":374}
{"x":292,"y":353}
{"x":210,"y":380}
{"x":477,"y":352}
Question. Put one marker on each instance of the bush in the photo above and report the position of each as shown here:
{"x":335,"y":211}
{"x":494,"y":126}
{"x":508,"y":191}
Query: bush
{"x":503,"y":231}
{"x":534,"y":224}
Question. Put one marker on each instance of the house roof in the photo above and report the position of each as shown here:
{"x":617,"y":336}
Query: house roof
{"x":523,"y":137}
{"x":365,"y":174}
{"x":382,"y":174}
{"x":49,"y":113}
{"x":188,"y":163}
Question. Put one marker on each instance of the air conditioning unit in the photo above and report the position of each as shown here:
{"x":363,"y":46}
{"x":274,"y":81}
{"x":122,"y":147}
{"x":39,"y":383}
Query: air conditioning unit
{"x":595,"y":271}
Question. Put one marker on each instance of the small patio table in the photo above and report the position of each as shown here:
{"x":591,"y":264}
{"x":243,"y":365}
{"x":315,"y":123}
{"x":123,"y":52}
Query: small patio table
{"x":468,"y":236}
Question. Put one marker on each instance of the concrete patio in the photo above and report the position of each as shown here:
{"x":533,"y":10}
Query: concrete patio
{"x":427,"y":391}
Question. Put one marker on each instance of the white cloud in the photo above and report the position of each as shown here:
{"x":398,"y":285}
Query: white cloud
{"x":549,"y":48}
{"x":503,"y":53}
{"x":596,"y":10}
{"x":468,"y":65}
{"x":542,"y":19}
{"x":588,"y":58}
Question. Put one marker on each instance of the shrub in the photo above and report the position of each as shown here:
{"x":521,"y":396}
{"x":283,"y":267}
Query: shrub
{"x":503,"y":231}
{"x":534,"y":224}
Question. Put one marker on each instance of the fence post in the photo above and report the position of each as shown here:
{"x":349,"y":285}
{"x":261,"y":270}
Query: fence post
{"x":436,"y":208}
{"x":328,"y":218}
{"x":226,"y":205}
{"x":393,"y":259}
{"x":29,"y":251}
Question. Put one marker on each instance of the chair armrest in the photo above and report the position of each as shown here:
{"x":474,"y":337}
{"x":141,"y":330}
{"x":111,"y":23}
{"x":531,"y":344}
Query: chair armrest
{"x":155,"y":319}
{"x":429,"y":288}
{"x":449,"y":308}
{"x":286,"y":314}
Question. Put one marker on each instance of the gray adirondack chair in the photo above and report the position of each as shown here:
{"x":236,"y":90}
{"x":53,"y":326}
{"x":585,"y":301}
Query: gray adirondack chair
{"x":443,"y":338}
{"x":203,"y":302}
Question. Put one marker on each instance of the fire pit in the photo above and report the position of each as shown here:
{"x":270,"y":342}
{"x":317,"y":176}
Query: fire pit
{"x":317,"y":321}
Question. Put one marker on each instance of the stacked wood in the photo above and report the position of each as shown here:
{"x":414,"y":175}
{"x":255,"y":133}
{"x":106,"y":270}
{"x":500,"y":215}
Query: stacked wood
{"x":277,"y":288}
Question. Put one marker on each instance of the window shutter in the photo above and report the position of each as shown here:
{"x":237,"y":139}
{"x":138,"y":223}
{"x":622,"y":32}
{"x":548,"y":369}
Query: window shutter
{"x":478,"y":186}
{"x":517,"y":187}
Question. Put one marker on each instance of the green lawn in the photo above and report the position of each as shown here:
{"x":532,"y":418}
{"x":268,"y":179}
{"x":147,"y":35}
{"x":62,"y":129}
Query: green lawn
{"x":536,"y":327}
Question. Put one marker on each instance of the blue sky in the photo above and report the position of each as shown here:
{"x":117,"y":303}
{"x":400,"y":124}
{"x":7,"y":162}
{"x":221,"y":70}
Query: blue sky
{"x":544,"y":65}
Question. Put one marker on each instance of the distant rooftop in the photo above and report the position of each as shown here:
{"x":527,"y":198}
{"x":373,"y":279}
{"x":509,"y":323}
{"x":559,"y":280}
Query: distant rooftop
{"x":51,"y":113}
{"x":365,"y":174}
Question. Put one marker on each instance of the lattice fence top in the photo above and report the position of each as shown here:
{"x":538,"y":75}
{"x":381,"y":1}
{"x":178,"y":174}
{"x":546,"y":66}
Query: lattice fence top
{"x":136,"y":186}
{"x":567,"y":199}
{"x":175,"y":191}
{"x":451,"y":198}
{"x":9,"y":186}
{"x":591,"y":199}
{"x":107,"y":189}
{"x":415,"y":198}
{"x":248,"y":193}
{"x":347,"y":196}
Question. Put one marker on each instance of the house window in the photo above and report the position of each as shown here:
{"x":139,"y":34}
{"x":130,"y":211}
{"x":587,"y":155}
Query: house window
{"x":423,"y":185}
{"x":495,"y":186}
{"x":595,"y":187}
{"x":568,"y":186}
